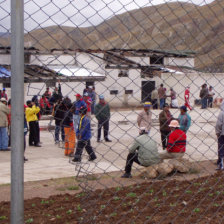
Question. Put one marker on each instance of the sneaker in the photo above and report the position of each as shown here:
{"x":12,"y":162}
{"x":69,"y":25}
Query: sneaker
{"x":37,"y":145}
{"x":92,"y":158}
{"x":98,"y":140}
{"x":126,"y":175}
{"x":25,"y":159}
{"x":108,"y":140}
{"x":75,"y":160}
{"x":56,"y":142}
{"x":220,"y":168}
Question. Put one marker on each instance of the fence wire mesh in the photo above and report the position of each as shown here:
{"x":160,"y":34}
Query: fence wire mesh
{"x":122,"y":67}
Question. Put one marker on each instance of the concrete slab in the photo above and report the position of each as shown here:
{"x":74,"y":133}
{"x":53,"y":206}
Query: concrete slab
{"x":49,"y":161}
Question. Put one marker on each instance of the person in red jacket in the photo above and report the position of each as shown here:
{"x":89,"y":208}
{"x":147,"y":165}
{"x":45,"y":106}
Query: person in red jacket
{"x":187,"y":98}
{"x":176,"y":146}
{"x":88,"y":102}
{"x":44,"y":105}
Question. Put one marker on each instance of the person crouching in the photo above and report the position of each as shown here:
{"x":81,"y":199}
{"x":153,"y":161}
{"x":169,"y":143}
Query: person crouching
{"x":84,"y":135}
{"x":143,"y":151}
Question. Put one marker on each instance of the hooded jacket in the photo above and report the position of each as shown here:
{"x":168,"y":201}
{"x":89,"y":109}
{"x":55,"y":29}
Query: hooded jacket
{"x":219,"y":128}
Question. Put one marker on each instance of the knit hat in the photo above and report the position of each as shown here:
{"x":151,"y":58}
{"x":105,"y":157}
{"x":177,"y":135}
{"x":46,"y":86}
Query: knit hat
{"x":147,"y":104}
{"x":101,"y":97}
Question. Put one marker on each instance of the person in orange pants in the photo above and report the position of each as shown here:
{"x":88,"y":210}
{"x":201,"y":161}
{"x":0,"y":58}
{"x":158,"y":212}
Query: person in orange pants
{"x":69,"y":140}
{"x":69,"y":130}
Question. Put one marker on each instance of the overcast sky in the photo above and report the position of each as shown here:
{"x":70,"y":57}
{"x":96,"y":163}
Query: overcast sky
{"x":82,"y":13}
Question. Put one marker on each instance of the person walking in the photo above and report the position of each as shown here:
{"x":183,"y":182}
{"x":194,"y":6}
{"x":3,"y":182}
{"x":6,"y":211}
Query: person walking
{"x":102,"y":113}
{"x":143,"y":151}
{"x":31,"y":116}
{"x":219,"y":130}
{"x":84,"y":135}
{"x":176,"y":146}
{"x":187,"y":98}
{"x":77,"y":105}
{"x":211,"y":94}
{"x":184,"y":119}
{"x":4,"y":112}
{"x":165,"y":118}
{"x":155,"y":98}
{"x":145,"y":117}
{"x":162,"y":96}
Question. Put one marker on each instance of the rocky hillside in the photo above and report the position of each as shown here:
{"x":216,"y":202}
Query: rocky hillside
{"x":172,"y":26}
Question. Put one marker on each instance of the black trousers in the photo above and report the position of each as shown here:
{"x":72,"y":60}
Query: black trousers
{"x":155,"y":104}
{"x":105,"y":125}
{"x":220,"y":149}
{"x":79,"y":149}
{"x":164,"y":138}
{"x":34,"y":132}
{"x":132,"y":157}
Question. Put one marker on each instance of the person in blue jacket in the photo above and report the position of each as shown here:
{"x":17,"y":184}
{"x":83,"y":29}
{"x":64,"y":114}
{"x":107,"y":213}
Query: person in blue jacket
{"x":184,"y":119}
{"x":83,"y":135}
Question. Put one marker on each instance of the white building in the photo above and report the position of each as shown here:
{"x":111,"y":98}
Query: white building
{"x":125,"y":77}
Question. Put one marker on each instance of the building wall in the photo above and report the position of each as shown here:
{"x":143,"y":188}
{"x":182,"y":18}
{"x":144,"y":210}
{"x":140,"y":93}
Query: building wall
{"x":188,"y":62}
{"x":133,"y":82}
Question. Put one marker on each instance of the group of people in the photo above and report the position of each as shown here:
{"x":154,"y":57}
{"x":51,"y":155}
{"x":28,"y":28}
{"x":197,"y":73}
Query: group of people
{"x":73,"y":121}
{"x":206,"y":95}
{"x":173,"y":131}
{"x":159,"y":96}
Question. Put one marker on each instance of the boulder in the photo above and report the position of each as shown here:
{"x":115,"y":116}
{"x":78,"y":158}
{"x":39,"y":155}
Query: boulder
{"x":149,"y":172}
{"x":181,"y":165}
{"x":165,"y":168}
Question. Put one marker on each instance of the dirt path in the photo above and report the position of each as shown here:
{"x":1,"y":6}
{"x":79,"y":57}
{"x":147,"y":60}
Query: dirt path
{"x":73,"y":185}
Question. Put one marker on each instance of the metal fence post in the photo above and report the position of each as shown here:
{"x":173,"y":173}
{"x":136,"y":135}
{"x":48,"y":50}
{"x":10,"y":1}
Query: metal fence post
{"x":17,"y":128}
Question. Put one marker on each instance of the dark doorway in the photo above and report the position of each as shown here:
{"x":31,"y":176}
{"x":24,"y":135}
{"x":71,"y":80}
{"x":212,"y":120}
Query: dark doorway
{"x":147,"y":88}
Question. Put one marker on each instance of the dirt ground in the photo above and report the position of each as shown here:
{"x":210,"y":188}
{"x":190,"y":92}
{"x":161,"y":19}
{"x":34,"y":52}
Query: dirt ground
{"x":195,"y":197}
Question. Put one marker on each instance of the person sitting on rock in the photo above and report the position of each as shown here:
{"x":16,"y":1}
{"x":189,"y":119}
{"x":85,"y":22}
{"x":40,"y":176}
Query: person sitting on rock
{"x":143,"y":151}
{"x":176,"y":143}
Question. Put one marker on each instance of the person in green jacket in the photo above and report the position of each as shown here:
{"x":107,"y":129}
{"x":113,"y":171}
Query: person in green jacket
{"x":143,"y":151}
{"x":102,"y":113}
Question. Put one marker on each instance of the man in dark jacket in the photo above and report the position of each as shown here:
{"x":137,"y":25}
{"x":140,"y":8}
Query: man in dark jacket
{"x":59,"y":114}
{"x":102,"y":113}
{"x":204,"y":96}
{"x":164,"y":120}
{"x":84,"y":135}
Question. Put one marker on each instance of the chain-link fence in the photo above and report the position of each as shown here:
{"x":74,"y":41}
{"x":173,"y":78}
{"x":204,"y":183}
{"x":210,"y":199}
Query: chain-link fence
{"x":149,"y":76}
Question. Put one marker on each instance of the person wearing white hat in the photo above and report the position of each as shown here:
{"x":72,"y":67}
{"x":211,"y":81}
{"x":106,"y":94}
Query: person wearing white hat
{"x":4,"y":112}
{"x":176,"y":146}
{"x":145,"y":117}
{"x":143,"y":151}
